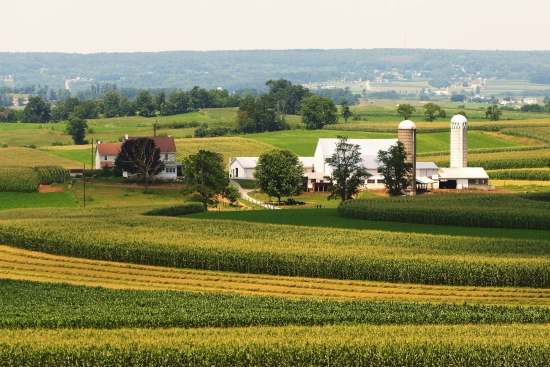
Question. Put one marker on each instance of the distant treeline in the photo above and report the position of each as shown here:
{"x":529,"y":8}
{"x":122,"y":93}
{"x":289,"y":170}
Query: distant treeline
{"x":233,"y":70}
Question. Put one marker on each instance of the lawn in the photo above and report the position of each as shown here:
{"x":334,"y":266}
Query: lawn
{"x":246,"y":184}
{"x":12,"y":200}
{"x":327,"y":218}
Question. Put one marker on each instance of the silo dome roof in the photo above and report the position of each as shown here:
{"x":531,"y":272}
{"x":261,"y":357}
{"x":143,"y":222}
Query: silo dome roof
{"x":407,"y":125}
{"x":459,"y":119}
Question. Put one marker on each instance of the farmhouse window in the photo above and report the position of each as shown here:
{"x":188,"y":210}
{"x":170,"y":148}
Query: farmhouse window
{"x":105,"y":158}
{"x":165,"y":156}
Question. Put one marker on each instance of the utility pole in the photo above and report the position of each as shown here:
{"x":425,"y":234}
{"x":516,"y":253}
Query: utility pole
{"x":92,"y":155}
{"x":84,"y":177}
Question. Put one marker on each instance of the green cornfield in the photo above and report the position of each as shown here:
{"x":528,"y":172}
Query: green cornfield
{"x":361,"y":345}
{"x":18,"y":179}
{"x":541,"y":133}
{"x":465,"y":210}
{"x":521,"y":174}
{"x":28,"y":304}
{"x":27,"y":179}
{"x":48,"y":175}
{"x":124,"y":234}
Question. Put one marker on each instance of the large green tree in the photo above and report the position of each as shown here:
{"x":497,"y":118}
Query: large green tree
{"x":262,"y":112}
{"x":433,"y":111}
{"x":288,"y":97}
{"x":111,"y":104}
{"x":205,"y":177}
{"x":405,"y":110}
{"x":144,"y":104}
{"x":493,"y":113}
{"x":344,"y":110}
{"x":37,"y":111}
{"x":279,"y":173}
{"x":77,"y":125}
{"x":348,"y":172}
{"x":140,"y":157}
{"x":395,"y":169}
{"x":318,"y":112}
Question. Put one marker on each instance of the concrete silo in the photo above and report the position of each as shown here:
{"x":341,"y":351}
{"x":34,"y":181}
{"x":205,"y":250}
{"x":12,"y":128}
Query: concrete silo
{"x":459,"y":141}
{"x":406,"y":134}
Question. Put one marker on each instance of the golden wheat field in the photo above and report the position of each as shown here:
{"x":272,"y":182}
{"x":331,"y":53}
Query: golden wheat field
{"x":27,"y":157}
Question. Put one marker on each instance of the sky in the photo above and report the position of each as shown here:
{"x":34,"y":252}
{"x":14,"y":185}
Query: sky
{"x":93,"y":26}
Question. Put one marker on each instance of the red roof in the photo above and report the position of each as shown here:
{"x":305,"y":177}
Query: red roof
{"x":109,"y":148}
{"x":108,"y":164}
{"x":166,"y":144}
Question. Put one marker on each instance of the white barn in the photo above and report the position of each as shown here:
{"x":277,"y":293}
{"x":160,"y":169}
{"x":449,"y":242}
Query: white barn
{"x":317,"y":173}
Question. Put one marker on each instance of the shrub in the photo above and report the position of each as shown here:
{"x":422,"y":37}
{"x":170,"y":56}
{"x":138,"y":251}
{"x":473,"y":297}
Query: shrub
{"x":174,"y":211}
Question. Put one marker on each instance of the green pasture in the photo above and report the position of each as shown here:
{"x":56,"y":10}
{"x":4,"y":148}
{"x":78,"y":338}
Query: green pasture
{"x":496,"y":86}
{"x":304,"y":142}
{"x":327,"y":218}
{"x":107,"y":193}
{"x":476,"y":140}
{"x":12,"y":200}
{"x":83,"y":156}
{"x":20,"y":134}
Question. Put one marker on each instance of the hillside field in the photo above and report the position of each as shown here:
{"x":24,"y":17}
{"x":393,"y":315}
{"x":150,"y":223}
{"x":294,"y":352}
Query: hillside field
{"x":456,"y":278}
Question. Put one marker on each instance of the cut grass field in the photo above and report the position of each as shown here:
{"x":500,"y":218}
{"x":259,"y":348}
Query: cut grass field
{"x":17,"y":264}
{"x":13,"y":200}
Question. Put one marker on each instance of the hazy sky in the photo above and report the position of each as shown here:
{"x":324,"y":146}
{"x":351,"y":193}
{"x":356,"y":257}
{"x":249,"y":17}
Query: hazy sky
{"x":162,"y":25}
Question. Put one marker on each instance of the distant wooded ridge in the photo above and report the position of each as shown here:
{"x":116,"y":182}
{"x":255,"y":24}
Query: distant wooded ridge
{"x":233,"y":70}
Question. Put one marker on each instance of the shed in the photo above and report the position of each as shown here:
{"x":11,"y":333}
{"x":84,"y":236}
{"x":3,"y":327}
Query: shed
{"x":463,"y":178}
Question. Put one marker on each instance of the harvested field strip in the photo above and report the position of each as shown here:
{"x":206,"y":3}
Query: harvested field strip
{"x":35,"y":266}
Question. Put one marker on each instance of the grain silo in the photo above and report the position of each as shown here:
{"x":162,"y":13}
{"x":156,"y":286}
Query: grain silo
{"x":406,"y":134}
{"x":459,"y":141}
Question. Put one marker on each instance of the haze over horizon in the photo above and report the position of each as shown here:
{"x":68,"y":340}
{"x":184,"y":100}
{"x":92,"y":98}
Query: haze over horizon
{"x":171,"y":25}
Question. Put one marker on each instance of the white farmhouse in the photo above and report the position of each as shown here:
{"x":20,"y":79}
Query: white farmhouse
{"x":106,"y":154}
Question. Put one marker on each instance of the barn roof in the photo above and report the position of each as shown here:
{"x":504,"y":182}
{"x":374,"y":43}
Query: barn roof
{"x":426,"y":165}
{"x":246,"y":162}
{"x":166,"y":144}
{"x":307,"y":161}
{"x":463,"y":173}
{"x":108,"y":148}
